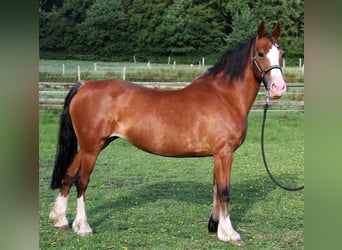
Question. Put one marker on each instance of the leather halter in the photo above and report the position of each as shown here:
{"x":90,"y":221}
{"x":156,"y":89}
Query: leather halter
{"x":264,"y":71}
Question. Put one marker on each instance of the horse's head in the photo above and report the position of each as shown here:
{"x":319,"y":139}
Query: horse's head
{"x":267,"y":59}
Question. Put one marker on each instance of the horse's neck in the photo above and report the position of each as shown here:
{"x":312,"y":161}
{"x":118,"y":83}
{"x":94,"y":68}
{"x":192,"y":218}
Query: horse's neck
{"x":243,"y":91}
{"x":247,"y":90}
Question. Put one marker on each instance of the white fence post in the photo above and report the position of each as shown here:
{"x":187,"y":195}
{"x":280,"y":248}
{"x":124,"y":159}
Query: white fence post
{"x":300,"y":63}
{"x":168,"y":60}
{"x":174,"y":64}
{"x":95,"y":67}
{"x":283,"y":63}
{"x":134,"y":59}
{"x":79,"y":73}
{"x":202,"y":61}
{"x":63,"y":69}
{"x":124,"y":73}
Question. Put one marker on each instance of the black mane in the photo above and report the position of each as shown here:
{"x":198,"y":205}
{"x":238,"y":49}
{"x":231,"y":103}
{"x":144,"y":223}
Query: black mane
{"x":233,"y":62}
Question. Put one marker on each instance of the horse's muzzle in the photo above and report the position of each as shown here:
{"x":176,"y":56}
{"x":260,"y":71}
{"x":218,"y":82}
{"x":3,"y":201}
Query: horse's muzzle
{"x":277,"y":88}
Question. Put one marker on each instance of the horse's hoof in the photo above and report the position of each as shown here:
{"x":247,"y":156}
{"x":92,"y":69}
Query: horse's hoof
{"x":86,"y":233}
{"x":238,"y":242}
{"x":81,"y":227}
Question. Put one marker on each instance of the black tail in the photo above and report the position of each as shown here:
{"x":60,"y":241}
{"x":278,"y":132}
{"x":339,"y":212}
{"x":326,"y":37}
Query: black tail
{"x":67,"y":142}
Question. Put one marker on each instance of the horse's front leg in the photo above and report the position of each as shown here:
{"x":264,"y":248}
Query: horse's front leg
{"x":220,"y":220}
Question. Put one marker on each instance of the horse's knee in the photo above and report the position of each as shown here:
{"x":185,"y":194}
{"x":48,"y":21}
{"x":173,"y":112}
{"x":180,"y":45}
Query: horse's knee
{"x":69,"y":178}
{"x":81,"y":186}
{"x":67,"y":182}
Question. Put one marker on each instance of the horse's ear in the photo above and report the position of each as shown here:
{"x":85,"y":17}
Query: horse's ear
{"x":261,"y":29}
{"x":276,"y":31}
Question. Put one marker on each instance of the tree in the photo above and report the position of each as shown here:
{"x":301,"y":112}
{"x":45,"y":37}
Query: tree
{"x":104,"y":30}
{"x":187,"y":29}
{"x":58,"y":33}
{"x":206,"y":33}
{"x":171,"y":35}
{"x":244,"y":27}
{"x":48,"y":5}
{"x":144,"y":17}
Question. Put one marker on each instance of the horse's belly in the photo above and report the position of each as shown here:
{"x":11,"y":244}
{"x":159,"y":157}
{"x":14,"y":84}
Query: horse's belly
{"x":168,"y":144}
{"x":164,"y":126}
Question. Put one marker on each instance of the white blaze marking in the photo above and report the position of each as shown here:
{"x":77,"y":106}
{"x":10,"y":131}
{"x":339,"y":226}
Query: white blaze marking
{"x":273,"y":56}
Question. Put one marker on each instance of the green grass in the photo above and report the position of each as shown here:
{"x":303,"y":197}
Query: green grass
{"x":136,"y":200}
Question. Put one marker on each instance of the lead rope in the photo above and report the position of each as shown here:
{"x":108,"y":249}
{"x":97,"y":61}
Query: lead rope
{"x":263,"y":153}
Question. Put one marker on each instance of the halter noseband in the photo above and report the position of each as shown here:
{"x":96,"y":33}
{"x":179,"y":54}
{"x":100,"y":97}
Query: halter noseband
{"x":264,"y":71}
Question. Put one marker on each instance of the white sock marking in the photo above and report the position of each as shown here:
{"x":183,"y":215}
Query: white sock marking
{"x":58,"y":212}
{"x":226,"y":231}
{"x":80,"y":224}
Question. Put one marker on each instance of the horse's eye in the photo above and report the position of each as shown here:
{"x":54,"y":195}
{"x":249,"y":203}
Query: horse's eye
{"x":261,"y":54}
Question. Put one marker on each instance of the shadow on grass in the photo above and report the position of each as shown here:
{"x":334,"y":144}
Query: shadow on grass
{"x":253,"y":191}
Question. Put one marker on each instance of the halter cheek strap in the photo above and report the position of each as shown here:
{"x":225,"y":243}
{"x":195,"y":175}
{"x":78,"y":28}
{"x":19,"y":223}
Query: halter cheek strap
{"x":264,"y":71}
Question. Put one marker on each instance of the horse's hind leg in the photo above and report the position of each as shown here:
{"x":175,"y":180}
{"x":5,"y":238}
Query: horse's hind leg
{"x":80,"y":224}
{"x":58,"y":211}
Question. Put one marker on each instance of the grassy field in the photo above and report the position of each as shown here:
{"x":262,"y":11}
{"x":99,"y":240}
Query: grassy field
{"x":136,"y":200}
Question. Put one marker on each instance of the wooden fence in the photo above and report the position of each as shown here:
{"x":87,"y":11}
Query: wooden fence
{"x":52,"y":94}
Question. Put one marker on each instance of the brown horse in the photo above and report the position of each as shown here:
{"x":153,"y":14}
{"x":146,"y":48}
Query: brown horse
{"x":206,"y":118}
